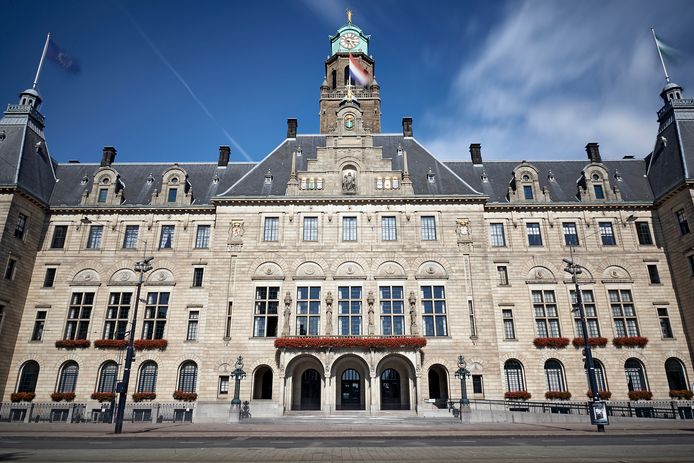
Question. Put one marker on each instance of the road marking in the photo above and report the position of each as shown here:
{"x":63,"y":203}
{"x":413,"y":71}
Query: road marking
{"x":191,"y":442}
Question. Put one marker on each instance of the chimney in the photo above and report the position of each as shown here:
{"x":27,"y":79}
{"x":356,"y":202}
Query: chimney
{"x":109,"y":155}
{"x":224,"y":153}
{"x":476,"y":153}
{"x":593,"y":150}
{"x":406,"y":126}
{"x":292,"y":124}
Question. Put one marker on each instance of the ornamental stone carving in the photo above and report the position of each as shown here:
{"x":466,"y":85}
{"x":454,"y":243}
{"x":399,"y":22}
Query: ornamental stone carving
{"x":462,"y":230}
{"x":236,"y":232}
{"x":329,"y":314}
{"x":370,"y":300}
{"x":414,"y":327}
{"x":287,"y":313}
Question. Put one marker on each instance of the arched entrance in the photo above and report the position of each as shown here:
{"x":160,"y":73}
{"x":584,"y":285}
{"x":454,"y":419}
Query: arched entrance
{"x":396,"y":383}
{"x":352,"y":383}
{"x":390,"y":390}
{"x":311,"y":386}
{"x":438,"y":385}
{"x":350,"y":390}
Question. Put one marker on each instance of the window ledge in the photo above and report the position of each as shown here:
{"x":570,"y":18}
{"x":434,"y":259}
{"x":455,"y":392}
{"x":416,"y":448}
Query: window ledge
{"x":511,"y":340}
{"x":655,"y":284}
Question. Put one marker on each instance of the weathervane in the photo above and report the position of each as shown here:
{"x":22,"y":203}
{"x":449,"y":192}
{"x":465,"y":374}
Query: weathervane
{"x":349,"y":15}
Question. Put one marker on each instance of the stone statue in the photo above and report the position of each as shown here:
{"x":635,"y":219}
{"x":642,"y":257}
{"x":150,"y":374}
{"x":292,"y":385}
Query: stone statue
{"x":349,"y":182}
{"x":370,"y":301}
{"x":287,"y":313}
{"x":414,"y":328}
{"x":329,"y":314}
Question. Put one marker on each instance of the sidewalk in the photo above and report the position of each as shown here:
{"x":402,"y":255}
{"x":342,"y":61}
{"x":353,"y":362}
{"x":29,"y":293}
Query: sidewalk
{"x":344,"y":427}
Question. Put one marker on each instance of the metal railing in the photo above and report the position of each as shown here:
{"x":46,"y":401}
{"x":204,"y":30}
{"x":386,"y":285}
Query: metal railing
{"x":76,"y":412}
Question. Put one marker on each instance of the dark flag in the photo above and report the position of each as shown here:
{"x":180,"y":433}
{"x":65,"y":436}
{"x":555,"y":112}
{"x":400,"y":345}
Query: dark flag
{"x":62,"y":59}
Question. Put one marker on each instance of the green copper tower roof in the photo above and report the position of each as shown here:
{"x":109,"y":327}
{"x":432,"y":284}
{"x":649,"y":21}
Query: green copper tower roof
{"x":349,"y":39}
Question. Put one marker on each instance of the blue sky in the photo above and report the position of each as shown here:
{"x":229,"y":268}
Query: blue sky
{"x":527,"y":79}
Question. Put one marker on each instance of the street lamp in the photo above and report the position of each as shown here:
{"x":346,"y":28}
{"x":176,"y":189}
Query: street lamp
{"x":598,"y":412}
{"x":239,"y":374}
{"x":141,"y":267}
{"x":462,"y":373}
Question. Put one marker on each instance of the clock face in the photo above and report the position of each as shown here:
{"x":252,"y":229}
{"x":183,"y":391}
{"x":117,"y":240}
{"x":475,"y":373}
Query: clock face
{"x":349,"y":40}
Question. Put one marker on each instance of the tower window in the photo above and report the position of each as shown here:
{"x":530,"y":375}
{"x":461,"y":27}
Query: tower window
{"x":346,"y":75}
{"x":334,"y":79}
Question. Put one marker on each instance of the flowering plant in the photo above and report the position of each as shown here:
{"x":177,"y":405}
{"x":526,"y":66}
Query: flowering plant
{"x":603,"y":395}
{"x":396,"y":342}
{"x":684,"y":394}
{"x":630,"y":341}
{"x":185,"y":396}
{"x":22,"y":397}
{"x":559,"y":395}
{"x":111,"y":343}
{"x":597,"y":341}
{"x":151,"y":344}
{"x":73,"y":343}
{"x":103,"y":396}
{"x":640,"y":395}
{"x":140,"y":396}
{"x":517,"y":395}
{"x":60,"y":396}
{"x":552,"y":343}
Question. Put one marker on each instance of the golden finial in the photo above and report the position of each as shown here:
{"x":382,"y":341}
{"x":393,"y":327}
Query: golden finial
{"x":349,"y":16}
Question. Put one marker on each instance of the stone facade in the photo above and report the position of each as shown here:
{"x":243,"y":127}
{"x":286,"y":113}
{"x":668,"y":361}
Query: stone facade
{"x":349,"y":269}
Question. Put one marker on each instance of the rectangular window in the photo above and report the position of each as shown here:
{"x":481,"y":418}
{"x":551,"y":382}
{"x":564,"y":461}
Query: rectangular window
{"x":534,"y":235}
{"x":590,"y":311}
{"x":682,"y":221}
{"x":173,"y":193}
{"x":643,"y":232}
{"x":117,"y":313}
{"x":310,"y":228}
{"x":607,"y":234}
{"x":665,"y":328}
{"x":79,"y":313}
{"x":308,"y":310}
{"x":349,"y":304}
{"x":10,"y":268}
{"x":49,"y":278}
{"x":21,"y":226}
{"x":623,"y":312}
{"x":223,"y":384}
{"x":502,"y":271}
{"x":509,"y":328}
{"x":95,"y":234}
{"x":198,"y":273}
{"x":2,"y":316}
{"x":428,"y":228}
{"x":192,"y":332}
{"x":39,"y":324}
{"x":599,"y":192}
{"x":653,"y":274}
{"x":167,"y":236}
{"x":528,"y":191}
{"x":156,"y":310}
{"x":130,"y":237}
{"x":266,"y":305}
{"x":434,"y":310}
{"x":477,"y":384}
{"x":473,"y":321}
{"x":59,"y":234}
{"x":227,"y":327}
{"x":349,"y":229}
{"x":103,"y":194}
{"x":498,"y":239}
{"x":202,"y":237}
{"x":570,"y":233}
{"x":271,"y":229}
{"x":388,"y":231}
{"x":691,"y":264}
{"x":546,"y":316}
{"x":392,"y":310}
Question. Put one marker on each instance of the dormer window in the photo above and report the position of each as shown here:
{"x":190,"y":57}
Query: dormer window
{"x":268,"y":177}
{"x":103,"y":194}
{"x":172,"y":194}
{"x":599,"y":192}
{"x":528,"y":191}
{"x":150,"y":179}
{"x":431,"y":177}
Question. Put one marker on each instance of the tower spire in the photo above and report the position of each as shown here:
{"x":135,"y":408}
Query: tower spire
{"x":43,"y":56}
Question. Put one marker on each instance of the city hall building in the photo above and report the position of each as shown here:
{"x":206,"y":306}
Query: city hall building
{"x":349,"y":268}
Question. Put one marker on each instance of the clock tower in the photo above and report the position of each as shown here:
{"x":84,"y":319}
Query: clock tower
{"x":350,"y":41}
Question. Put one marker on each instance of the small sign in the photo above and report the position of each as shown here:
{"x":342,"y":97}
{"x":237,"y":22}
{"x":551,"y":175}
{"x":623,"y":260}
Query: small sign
{"x":598,"y":413}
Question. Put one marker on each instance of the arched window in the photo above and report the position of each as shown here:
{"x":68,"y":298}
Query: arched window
{"x":600,"y":375}
{"x":67,"y":381}
{"x":28,"y":377}
{"x":148,"y":378}
{"x":346,"y":75}
{"x":107,"y":377}
{"x":636,"y":375}
{"x":334,"y":79}
{"x":262,"y":383}
{"x":554,"y":374}
{"x":676,"y":378}
{"x":513,"y":370}
{"x":390,"y":375}
{"x":350,"y":374}
{"x":187,"y":377}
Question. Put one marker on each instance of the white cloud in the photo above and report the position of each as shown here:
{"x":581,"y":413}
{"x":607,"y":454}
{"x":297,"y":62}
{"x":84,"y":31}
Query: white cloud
{"x":552,"y":76}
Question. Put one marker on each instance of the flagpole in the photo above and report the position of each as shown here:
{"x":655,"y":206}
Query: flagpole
{"x":657,"y":47}
{"x":43,"y":55}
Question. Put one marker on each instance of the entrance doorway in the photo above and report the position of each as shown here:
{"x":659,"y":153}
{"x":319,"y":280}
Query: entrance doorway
{"x":390,"y":390}
{"x":438,"y":386}
{"x":310,"y":390}
{"x":350,"y":390}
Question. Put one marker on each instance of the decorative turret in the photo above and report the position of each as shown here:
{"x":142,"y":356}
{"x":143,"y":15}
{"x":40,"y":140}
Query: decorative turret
{"x":670,"y":92}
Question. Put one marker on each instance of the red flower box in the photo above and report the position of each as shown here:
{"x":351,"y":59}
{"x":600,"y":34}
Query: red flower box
{"x":683,"y":394}
{"x":22,"y":397}
{"x":73,"y":343}
{"x":558,"y":395}
{"x":60,"y":396}
{"x":111,"y":343}
{"x":551,"y":343}
{"x":151,"y":344}
{"x":594,"y":342}
{"x":603,"y":395}
{"x":630,"y":341}
{"x":640,"y":395}
{"x":140,"y":396}
{"x":103,"y":396}
{"x":185,"y":396}
{"x":409,"y":342}
{"x":517,"y":395}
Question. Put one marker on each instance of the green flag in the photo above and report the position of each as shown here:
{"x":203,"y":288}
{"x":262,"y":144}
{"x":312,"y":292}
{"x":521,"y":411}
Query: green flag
{"x":672,"y":54}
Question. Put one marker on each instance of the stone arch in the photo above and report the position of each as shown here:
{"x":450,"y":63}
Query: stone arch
{"x":355,"y":356}
{"x":604,"y":264}
{"x":263,"y":378}
{"x":71,"y":357}
{"x":351,"y":376}
{"x":123,"y":276}
{"x":438,"y":384}
{"x":348,"y":270}
{"x":390,"y":257}
{"x":539,"y":262}
{"x":391,"y":269}
{"x":167,"y":264}
{"x":633,"y":353}
{"x":273,"y":258}
{"x":393,"y":356}
{"x":305,"y":381}
{"x":395,"y":376}
{"x":309,"y":270}
{"x":319,"y":261}
{"x":431,"y":269}
{"x":541,"y":274}
{"x":616,"y":272}
{"x":442,"y":261}
{"x":345,"y":258}
{"x":437,"y":360}
{"x":87,"y":276}
{"x":268,"y":271}
{"x":161,"y":276}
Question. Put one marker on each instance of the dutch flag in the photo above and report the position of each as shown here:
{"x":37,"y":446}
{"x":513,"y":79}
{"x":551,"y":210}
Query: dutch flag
{"x":358,"y":73}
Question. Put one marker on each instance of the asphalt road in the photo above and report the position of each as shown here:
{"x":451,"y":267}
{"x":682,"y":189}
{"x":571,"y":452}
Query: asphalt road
{"x":591,"y":448}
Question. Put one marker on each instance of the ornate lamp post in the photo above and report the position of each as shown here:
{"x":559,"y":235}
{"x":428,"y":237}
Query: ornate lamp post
{"x":598,"y":411}
{"x":462,"y":373}
{"x":141,"y":267}
{"x":239,"y":374}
